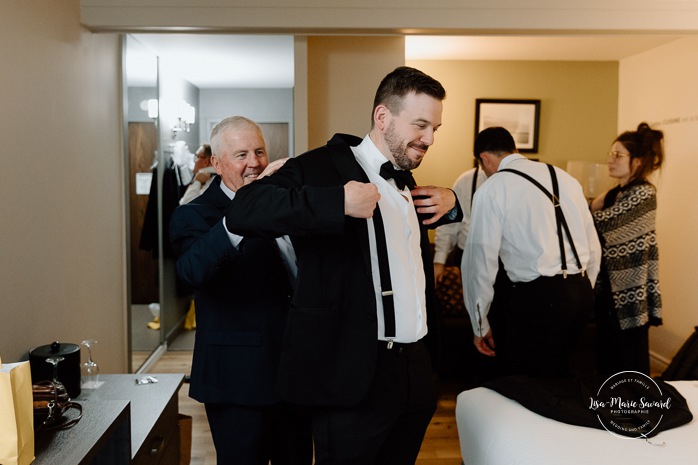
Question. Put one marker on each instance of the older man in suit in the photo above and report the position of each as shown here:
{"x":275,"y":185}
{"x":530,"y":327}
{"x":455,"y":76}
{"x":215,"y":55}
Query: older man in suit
{"x":363,"y":301}
{"x":242,"y":288}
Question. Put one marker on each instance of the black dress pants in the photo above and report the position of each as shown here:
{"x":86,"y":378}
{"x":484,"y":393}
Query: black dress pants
{"x":539,"y":323}
{"x":245,"y":435}
{"x":388,"y":427}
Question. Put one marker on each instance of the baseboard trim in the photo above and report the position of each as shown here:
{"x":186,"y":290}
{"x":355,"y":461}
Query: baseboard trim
{"x":658,"y":363}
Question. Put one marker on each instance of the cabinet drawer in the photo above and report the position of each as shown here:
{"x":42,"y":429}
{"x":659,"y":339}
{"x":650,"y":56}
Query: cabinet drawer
{"x":164,"y":436}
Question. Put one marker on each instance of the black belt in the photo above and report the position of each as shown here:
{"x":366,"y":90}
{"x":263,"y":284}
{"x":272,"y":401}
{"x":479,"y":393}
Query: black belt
{"x":545,"y":280}
{"x":399,"y":347}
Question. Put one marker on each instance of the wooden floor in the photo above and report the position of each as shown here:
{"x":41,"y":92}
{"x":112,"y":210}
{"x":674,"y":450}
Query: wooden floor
{"x":440,"y":446}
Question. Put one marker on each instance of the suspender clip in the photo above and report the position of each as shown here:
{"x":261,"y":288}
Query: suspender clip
{"x":584,"y":271}
{"x":390,"y":343}
{"x":386,"y":293}
{"x":564,"y":274}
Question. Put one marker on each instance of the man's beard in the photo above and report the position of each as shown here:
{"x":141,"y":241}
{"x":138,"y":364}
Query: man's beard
{"x":399,"y":150}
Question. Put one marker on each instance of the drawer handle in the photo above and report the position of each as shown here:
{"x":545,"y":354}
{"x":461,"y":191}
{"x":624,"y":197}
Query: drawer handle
{"x":158,"y":441}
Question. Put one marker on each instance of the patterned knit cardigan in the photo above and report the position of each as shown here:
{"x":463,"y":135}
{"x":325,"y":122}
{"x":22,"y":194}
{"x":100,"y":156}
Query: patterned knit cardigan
{"x":630,"y":255}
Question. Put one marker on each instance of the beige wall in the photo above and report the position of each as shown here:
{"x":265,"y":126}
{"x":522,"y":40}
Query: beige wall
{"x":577,"y":119}
{"x":343,"y":75}
{"x":63,"y":252}
{"x":659,"y":87}
{"x":61,"y":276}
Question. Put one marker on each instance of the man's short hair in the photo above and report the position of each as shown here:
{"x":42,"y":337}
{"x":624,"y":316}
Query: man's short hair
{"x":401,"y":81}
{"x":496,"y":140}
{"x":231,"y":122}
{"x":205,"y":149}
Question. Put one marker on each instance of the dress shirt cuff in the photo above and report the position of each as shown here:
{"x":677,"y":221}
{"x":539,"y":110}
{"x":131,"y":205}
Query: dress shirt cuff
{"x":440,"y":257}
{"x":482,"y":328}
{"x":234,"y":238}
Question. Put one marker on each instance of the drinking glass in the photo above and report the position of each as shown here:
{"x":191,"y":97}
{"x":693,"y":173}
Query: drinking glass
{"x":90,"y":370}
{"x":55,"y":361}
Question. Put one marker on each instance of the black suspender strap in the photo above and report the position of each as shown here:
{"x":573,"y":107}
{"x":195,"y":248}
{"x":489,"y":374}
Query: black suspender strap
{"x":386,"y":284}
{"x":560,"y":219}
{"x":559,"y":216}
{"x":473,"y":186}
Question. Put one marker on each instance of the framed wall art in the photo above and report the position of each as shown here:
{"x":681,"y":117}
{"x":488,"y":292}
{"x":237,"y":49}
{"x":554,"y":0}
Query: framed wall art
{"x":519,"y":117}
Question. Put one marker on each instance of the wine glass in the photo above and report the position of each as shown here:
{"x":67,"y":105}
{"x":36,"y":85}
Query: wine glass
{"x":90,"y":370}
{"x":55,"y":361}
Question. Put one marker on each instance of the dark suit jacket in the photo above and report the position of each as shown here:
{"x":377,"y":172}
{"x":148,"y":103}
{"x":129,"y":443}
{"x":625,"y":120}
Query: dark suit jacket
{"x":242,"y":299}
{"x":329,"y":354}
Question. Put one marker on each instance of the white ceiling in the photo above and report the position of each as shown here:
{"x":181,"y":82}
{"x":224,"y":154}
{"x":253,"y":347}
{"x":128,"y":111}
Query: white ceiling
{"x":215,"y":61}
{"x":259,"y":61}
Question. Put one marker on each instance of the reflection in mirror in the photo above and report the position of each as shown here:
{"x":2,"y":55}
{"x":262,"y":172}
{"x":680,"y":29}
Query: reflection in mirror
{"x":197,"y":80}
{"x":141,"y":71}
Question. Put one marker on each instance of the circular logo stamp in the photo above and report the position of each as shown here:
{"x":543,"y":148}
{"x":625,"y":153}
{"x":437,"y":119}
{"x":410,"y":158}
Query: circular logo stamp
{"x":630,"y":404}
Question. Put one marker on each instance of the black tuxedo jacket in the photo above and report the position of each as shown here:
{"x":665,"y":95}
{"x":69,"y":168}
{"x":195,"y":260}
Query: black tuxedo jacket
{"x":330,"y":346}
{"x":242,"y":299}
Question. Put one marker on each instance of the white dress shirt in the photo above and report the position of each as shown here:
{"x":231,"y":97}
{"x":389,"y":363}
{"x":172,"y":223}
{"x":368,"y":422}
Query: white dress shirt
{"x":404,"y":253}
{"x":448,"y":236}
{"x":195,"y":189}
{"x":513,"y":220}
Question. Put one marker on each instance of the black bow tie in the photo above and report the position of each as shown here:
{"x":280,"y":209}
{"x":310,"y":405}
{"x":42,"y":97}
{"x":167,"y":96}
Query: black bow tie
{"x":402,"y":178}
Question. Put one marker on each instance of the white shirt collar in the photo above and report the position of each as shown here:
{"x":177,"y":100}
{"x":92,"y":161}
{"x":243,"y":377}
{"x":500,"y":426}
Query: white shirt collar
{"x":227,"y":191}
{"x":506,"y":161}
{"x":370,"y":155}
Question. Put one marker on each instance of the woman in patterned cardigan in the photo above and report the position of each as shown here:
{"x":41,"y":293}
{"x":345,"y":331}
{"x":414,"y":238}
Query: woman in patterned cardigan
{"x":628,"y":300}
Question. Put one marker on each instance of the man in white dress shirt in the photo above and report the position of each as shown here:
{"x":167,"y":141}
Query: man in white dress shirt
{"x":362,"y":319}
{"x":203,"y":175}
{"x":549,"y":249}
{"x":451,"y":237}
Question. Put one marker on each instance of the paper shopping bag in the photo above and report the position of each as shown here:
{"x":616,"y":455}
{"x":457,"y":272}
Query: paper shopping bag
{"x":16,"y":414}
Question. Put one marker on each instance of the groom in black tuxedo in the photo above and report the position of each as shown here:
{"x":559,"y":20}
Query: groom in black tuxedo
{"x":363,"y":309}
{"x":242,"y":290}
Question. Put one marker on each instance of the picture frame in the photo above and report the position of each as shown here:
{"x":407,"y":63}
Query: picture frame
{"x":520,"y":117}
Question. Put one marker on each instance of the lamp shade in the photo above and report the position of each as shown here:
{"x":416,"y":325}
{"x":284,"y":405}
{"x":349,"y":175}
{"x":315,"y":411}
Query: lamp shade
{"x":592,"y":176}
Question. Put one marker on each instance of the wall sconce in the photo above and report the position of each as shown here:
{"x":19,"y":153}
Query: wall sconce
{"x":151,"y":107}
{"x":186,"y":116}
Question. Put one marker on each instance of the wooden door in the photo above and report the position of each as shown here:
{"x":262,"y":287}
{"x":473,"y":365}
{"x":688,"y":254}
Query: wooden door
{"x":142,"y":144}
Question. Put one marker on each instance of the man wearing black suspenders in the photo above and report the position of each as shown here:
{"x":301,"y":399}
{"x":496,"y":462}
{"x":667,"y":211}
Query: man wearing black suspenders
{"x":533,"y":220}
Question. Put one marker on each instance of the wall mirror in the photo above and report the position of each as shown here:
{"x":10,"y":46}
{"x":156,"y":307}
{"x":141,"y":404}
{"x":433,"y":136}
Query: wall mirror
{"x":177,"y":87}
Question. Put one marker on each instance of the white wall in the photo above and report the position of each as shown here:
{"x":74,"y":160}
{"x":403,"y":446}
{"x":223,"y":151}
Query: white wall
{"x":61,"y":194}
{"x":260,"y":105}
{"x":659,"y":87}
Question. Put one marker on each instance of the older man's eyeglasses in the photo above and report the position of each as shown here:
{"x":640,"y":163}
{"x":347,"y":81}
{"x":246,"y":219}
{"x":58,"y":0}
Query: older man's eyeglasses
{"x":615,"y":155}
